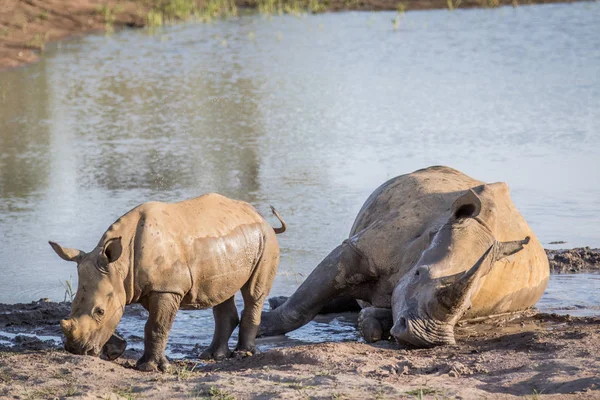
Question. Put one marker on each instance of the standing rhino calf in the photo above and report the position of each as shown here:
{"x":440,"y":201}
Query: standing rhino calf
{"x":194,"y":254}
{"x":426,"y":250}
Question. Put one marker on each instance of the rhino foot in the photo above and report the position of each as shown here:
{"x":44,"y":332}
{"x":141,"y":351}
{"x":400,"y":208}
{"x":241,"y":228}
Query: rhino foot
{"x":375,"y":323}
{"x":162,"y":364}
{"x":243,"y":353}
{"x":218,"y":354}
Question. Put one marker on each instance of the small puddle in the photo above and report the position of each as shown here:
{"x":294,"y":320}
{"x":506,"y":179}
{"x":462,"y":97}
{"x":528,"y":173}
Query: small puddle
{"x":574,"y":294}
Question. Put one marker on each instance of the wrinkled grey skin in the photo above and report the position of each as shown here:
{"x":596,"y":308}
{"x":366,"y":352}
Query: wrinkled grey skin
{"x":194,"y":254}
{"x":426,"y":250}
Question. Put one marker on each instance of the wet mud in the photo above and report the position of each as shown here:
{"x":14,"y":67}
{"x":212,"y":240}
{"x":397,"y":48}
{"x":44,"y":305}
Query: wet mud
{"x":581,"y":259}
{"x":527,"y":354}
{"x":532,"y":354}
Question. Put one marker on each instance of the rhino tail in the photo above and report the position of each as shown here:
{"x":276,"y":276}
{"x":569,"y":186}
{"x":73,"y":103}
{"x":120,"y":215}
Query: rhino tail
{"x":283,"y":224}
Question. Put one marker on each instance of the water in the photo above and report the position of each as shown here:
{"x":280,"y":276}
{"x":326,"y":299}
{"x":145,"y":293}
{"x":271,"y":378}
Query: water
{"x":308,"y":114}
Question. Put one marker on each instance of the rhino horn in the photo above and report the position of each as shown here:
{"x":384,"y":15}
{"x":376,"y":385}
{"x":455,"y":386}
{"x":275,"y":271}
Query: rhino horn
{"x":67,"y":326}
{"x":505,"y":249}
{"x":457,"y":288}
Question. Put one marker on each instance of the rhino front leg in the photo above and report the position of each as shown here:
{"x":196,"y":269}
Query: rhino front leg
{"x":163,"y":308}
{"x":375,"y":323}
{"x":344,"y":273}
{"x":226,"y":320}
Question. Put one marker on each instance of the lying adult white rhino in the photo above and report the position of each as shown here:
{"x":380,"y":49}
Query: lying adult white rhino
{"x":194,"y":254}
{"x":426,"y":249}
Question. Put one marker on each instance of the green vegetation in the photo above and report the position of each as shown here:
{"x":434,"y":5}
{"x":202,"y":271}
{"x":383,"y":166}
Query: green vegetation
{"x":294,"y":7}
{"x":213,"y":393}
{"x":421,"y":392}
{"x":219,"y":394}
{"x":68,"y":289}
{"x":71,"y":390}
{"x":108,"y":16}
{"x":161,"y":12}
{"x":452,"y":4}
{"x":401,"y":9}
{"x":185,"y":372}
{"x":38,"y":42}
{"x":536,"y":395}
{"x":43,"y":15}
{"x":127,"y":393}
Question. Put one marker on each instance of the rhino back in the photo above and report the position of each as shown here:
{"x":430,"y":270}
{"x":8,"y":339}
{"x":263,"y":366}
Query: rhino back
{"x":397,"y":222}
{"x":203,"y":249}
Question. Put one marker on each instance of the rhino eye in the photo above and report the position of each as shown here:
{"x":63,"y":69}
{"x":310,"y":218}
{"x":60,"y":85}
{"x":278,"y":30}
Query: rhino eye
{"x":100,"y":312}
{"x":417,"y":273}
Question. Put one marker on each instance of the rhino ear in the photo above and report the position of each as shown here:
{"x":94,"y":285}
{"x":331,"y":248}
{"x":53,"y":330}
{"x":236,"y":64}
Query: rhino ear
{"x":66,"y":253}
{"x":466,"y":206}
{"x":112,"y":249}
{"x":505,"y":249}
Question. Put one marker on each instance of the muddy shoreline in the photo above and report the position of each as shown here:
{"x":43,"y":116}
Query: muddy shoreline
{"x":26,"y":26}
{"x":529,"y":354}
{"x":580,"y":259}
{"x":532,"y":354}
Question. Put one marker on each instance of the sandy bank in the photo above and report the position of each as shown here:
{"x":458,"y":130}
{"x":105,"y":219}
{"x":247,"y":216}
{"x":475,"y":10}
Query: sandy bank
{"x":537,"y":356}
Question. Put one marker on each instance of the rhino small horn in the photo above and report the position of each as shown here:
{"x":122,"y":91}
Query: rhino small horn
{"x":505,"y":249}
{"x":67,"y":326}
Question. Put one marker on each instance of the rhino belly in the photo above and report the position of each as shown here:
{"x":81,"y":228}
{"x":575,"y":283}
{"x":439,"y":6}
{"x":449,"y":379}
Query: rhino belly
{"x":222,"y":265}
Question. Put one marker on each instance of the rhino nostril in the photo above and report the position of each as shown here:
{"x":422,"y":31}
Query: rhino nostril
{"x":399,"y":327}
{"x":402,"y":323}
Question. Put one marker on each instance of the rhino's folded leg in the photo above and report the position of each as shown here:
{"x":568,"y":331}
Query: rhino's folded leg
{"x":226,"y":320}
{"x":375,"y":323}
{"x":344,"y":273}
{"x":163,"y":308}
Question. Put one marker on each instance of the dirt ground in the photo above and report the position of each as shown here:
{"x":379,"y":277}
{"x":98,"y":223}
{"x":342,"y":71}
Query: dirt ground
{"x":525,"y":356}
{"x":27,"y":25}
{"x":530,"y":355}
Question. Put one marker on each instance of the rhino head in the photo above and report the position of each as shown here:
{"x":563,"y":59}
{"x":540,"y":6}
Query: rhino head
{"x":430,"y":299}
{"x":98,"y":304}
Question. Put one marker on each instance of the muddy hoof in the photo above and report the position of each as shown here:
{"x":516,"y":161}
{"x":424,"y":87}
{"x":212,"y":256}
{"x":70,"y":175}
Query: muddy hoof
{"x":237,"y":354}
{"x":161,"y":365}
{"x":217,"y":355}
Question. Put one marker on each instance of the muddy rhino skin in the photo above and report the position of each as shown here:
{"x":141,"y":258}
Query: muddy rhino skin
{"x":194,"y":254}
{"x":427,"y":249}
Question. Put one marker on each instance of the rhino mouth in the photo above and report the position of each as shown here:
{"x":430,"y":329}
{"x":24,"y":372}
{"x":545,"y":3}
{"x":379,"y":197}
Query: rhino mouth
{"x":84,"y":350}
{"x":111,"y":350}
{"x":418,"y":332}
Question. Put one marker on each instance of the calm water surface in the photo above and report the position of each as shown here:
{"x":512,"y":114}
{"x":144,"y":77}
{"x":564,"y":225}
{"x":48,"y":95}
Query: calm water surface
{"x":308,"y":114}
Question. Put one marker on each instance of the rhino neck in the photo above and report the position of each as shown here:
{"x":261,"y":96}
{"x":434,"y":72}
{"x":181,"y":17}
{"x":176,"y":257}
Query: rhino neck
{"x":131,"y":294}
{"x":126,"y":227}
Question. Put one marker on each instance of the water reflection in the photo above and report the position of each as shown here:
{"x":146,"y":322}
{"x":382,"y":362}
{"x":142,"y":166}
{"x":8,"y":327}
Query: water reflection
{"x":307,"y":114}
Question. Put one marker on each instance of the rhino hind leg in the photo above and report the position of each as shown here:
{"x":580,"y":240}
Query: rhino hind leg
{"x":375,"y":323}
{"x":226,"y":320}
{"x":254,"y":293}
{"x":162,"y":308}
